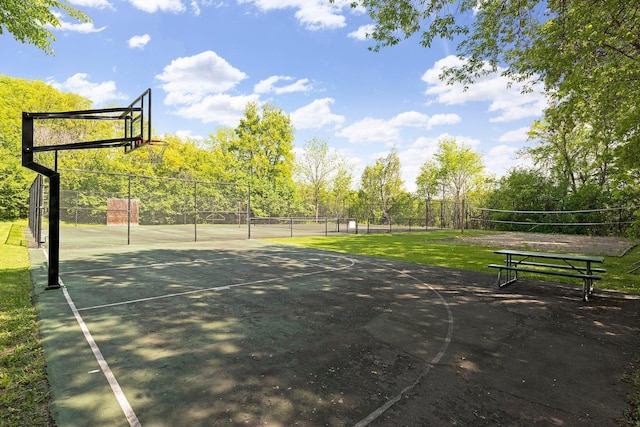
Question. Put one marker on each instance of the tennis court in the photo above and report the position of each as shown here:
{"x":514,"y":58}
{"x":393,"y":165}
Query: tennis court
{"x":245,"y":333}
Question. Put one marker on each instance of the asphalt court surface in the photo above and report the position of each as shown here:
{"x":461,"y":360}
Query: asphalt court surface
{"x":255,"y":334}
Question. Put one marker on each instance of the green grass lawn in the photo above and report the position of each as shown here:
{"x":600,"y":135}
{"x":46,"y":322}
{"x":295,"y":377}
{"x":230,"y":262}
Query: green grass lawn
{"x":447,"y":248}
{"x":24,"y":392}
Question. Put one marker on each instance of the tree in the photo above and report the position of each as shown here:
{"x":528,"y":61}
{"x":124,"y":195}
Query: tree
{"x":428,"y":182}
{"x":264,"y":152}
{"x":573,"y":154}
{"x":458,"y":169}
{"x":381,"y":184}
{"x":16,"y":96}
{"x":585,"y":53}
{"x":527,"y":189}
{"x":341,"y":189}
{"x":525,"y":194}
{"x":317,"y":166}
{"x":29,"y":20}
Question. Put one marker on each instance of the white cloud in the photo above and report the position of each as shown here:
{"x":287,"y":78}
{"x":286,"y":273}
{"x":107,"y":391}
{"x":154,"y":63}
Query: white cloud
{"x":388,"y":131}
{"x":139,"y":42}
{"x":222,"y":109}
{"x":84,"y":27}
{"x":362,"y":33}
{"x":312,"y":14}
{"x":509,"y":104}
{"x":518,"y":135}
{"x":268,"y":85}
{"x":409,"y":118}
{"x":152,"y":6}
{"x":99,"y":93}
{"x":173,"y":6}
{"x":315,"y":115}
{"x":411,"y":158}
{"x":443,"y":119}
{"x":502,"y":158}
{"x":371,"y":130}
{"x":187,"y":135}
{"x":98,"y":4}
{"x":190,"y":79}
{"x":196,"y":85}
{"x":195,"y":8}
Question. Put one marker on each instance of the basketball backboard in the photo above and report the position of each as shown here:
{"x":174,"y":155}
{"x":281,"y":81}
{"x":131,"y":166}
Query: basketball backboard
{"x":137,"y":130}
{"x":128,"y":127}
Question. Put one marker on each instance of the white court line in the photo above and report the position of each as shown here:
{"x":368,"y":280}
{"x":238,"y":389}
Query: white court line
{"x":159,"y":264}
{"x":445,"y":346}
{"x":220,"y":288}
{"x":163,"y":264}
{"x":104,"y":366}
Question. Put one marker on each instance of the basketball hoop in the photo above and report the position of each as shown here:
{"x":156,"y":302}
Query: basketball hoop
{"x":156,"y":149}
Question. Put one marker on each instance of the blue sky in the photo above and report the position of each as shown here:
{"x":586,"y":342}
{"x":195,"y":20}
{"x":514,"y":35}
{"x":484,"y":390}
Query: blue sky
{"x":205,"y":59}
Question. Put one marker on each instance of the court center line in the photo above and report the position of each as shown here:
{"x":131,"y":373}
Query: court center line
{"x":218,"y":288}
{"x":104,"y":366}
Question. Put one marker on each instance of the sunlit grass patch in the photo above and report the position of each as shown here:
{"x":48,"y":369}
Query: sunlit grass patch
{"x":450,"y":248}
{"x":23,"y":382}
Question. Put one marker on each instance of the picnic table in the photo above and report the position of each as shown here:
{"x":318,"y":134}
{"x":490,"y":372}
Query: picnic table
{"x":565,"y":265}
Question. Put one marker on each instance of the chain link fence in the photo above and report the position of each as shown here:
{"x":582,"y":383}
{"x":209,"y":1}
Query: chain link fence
{"x":99,"y":208}
{"x":261,"y":227}
{"x":426,"y":215}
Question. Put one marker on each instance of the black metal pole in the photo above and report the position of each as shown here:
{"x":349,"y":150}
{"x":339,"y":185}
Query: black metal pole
{"x":249,"y":211}
{"x":195,"y":211}
{"x":40,"y":214}
{"x":53,"y":281}
{"x":426,"y":214}
{"x":128,"y":209}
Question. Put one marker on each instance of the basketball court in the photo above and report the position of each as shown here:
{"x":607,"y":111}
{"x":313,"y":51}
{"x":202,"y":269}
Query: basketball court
{"x":243,"y":332}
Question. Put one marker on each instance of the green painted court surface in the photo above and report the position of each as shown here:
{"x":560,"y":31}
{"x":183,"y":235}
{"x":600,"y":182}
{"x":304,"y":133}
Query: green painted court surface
{"x":241,"y":332}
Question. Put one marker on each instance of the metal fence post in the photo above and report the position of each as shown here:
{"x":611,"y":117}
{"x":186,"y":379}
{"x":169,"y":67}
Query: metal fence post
{"x":248,"y":211}
{"x":195,"y":211}
{"x":128,"y":209}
